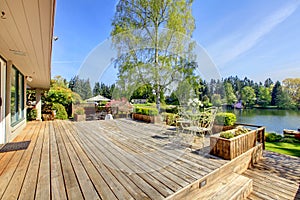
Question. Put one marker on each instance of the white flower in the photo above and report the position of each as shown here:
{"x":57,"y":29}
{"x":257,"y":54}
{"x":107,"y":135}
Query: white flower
{"x":194,"y":102}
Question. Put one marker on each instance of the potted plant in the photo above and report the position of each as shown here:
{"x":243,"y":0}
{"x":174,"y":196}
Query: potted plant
{"x":232,"y":143}
{"x":79,"y":114}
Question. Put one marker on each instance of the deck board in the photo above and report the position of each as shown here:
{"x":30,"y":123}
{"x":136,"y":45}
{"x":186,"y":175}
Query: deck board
{"x":69,"y":175}
{"x":58,"y":190}
{"x":43,"y":189}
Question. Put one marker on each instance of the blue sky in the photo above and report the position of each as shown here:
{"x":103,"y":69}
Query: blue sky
{"x":253,"y":38}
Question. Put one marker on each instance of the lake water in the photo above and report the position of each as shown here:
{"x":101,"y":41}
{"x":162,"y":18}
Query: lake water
{"x":274,"y":120}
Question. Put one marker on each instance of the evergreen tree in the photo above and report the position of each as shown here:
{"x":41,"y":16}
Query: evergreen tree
{"x":87,"y":90}
{"x":96,"y":89}
{"x":81,"y":86}
{"x":268,"y":82}
{"x":276,"y":92}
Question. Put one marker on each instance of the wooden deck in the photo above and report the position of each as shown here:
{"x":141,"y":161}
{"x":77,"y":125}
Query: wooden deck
{"x":276,"y":176}
{"x":123,"y":159}
{"x":117,"y":159}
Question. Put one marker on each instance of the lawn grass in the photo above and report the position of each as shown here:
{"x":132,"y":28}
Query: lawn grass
{"x":292,"y":149}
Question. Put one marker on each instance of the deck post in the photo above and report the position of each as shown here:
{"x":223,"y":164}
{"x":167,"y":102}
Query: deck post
{"x":38,"y":95}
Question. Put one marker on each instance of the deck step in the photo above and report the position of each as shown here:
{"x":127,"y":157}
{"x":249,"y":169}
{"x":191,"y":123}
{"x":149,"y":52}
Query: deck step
{"x":230,"y":187}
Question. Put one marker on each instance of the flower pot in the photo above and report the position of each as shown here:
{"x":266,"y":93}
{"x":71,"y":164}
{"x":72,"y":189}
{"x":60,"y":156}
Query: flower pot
{"x":79,"y":118}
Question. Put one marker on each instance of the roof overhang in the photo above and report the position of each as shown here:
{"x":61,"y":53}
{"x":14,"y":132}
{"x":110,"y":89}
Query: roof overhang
{"x":26,"y":37}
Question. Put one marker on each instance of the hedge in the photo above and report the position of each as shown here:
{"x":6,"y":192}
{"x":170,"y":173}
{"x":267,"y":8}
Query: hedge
{"x":273,"y":137}
{"x":173,"y":110}
{"x":225,"y":119}
{"x":146,"y":111}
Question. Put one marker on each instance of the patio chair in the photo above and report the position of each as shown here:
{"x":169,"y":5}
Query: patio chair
{"x":204,"y":123}
{"x":183,"y":121}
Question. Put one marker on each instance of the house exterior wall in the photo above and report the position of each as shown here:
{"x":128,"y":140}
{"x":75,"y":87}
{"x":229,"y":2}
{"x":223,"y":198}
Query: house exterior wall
{"x":12,"y":130}
{"x":23,"y":56}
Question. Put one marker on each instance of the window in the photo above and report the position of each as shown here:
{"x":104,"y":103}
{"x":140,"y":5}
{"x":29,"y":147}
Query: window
{"x":16,"y":96}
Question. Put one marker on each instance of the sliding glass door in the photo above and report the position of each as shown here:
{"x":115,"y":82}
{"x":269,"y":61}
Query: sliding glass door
{"x":2,"y":99}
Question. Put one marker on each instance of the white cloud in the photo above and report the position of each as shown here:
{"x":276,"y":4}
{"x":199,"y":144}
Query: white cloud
{"x":235,"y":45}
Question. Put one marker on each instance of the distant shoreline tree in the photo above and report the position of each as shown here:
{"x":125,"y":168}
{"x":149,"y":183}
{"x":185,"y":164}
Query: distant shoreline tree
{"x":81,"y":87}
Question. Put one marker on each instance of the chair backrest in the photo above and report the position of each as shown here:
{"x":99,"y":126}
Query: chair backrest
{"x":207,"y":118}
{"x":182,"y":111}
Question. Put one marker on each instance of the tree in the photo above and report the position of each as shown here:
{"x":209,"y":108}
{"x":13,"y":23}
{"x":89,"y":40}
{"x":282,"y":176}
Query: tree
{"x":153,"y":55}
{"x":292,"y":86}
{"x":248,"y":96}
{"x":268,"y":82}
{"x":230,"y":96}
{"x":276,"y":92}
{"x":264,"y":96}
{"x":81,"y":86}
{"x":202,"y":88}
{"x":96,"y":89}
{"x":216,"y":100}
{"x":284,"y":101}
{"x":59,"y":93}
{"x":87,"y":90}
{"x":143,"y":92}
{"x":59,"y":81}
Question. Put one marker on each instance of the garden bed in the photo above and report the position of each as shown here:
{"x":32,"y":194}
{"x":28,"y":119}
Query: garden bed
{"x":233,"y":147}
{"x":146,"y":118}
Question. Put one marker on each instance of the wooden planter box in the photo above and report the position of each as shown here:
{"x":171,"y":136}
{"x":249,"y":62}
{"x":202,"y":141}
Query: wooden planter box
{"x":79,"y":118}
{"x":218,"y":128}
{"x":118,"y":116}
{"x":231,"y":148}
{"x":146,"y":118}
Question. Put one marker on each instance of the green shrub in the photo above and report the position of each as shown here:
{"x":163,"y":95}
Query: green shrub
{"x":79,"y":111}
{"x":31,"y":114}
{"x":273,"y":137}
{"x":289,"y":140}
{"x":169,"y":118}
{"x":227,"y":134}
{"x":173,"y":110}
{"x":60,"y":111}
{"x":240,"y":130}
{"x":146,"y":111}
{"x":225,"y":119}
